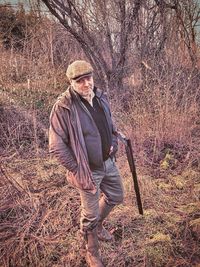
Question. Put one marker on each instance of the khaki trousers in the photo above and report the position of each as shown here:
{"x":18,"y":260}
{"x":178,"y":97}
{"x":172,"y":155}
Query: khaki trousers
{"x":108,"y":182}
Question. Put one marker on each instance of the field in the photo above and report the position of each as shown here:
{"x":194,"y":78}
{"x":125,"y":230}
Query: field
{"x":157,"y":107}
{"x":40,"y":210}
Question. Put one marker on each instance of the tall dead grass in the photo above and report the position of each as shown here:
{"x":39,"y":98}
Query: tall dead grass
{"x":39,"y":211}
{"x":162,"y":116}
{"x":22,"y":133}
{"x":36,"y":218}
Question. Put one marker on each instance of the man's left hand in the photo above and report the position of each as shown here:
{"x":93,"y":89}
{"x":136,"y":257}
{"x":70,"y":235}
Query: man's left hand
{"x":113,"y":151}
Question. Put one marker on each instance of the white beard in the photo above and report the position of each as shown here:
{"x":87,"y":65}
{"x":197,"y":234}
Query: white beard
{"x":88,"y":96}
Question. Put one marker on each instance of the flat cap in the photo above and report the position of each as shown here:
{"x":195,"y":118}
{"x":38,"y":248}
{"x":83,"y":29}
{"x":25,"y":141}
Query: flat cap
{"x":79,"y":69}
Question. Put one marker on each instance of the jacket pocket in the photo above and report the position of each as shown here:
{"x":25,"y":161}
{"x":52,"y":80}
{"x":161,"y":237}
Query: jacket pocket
{"x":84,"y":184}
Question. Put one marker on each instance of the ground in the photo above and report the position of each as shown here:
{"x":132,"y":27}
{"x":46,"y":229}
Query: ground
{"x":40,"y":218}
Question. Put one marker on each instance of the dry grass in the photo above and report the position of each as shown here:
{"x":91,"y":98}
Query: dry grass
{"x":21,"y":131}
{"x":39,"y":211}
{"x":161,"y":116}
{"x":36,"y":222}
{"x":40,"y":220}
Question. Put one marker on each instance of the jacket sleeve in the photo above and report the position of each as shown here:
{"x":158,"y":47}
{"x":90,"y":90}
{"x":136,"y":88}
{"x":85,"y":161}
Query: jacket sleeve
{"x":59,"y":143}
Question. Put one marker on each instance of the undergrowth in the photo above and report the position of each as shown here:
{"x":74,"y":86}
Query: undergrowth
{"x":39,"y":210}
{"x":40,"y":219}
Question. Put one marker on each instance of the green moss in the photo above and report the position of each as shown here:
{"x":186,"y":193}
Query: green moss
{"x":168,"y":161}
{"x":160,"y":238}
{"x":152,"y":218}
{"x":164,"y":186}
{"x":158,"y":249}
{"x":150,"y":213}
{"x":179,"y":181}
{"x":164,"y":165}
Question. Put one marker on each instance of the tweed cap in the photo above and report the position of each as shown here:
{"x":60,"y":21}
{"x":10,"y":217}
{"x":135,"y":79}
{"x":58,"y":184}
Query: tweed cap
{"x":79,"y":69}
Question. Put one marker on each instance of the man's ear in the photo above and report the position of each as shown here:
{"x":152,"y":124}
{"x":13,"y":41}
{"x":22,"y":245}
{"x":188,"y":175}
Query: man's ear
{"x":69,"y":81}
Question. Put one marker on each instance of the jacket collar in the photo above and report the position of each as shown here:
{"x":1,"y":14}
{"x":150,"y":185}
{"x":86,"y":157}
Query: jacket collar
{"x":65,"y":99}
{"x":98,"y":92}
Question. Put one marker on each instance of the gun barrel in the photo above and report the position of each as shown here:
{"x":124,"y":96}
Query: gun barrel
{"x":129,"y":153}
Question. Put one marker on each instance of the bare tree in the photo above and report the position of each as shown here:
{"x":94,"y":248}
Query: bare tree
{"x":185,"y":15}
{"x":102,"y":29}
{"x":114,"y":34}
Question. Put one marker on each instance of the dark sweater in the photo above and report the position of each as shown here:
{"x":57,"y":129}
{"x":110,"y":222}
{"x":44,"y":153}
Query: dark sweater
{"x":99,"y":118}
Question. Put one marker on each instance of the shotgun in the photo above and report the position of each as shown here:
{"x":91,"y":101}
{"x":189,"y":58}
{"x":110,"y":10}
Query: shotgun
{"x":129,"y":154}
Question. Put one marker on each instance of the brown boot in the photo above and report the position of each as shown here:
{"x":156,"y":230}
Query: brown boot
{"x":103,"y":234}
{"x":93,"y":258}
{"x":104,"y":210}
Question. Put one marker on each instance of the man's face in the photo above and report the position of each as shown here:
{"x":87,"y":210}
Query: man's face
{"x":83,"y":86}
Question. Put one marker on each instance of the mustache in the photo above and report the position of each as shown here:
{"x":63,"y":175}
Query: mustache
{"x":88,"y":88}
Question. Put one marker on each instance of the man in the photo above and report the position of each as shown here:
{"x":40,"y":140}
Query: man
{"x":82,"y":137}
